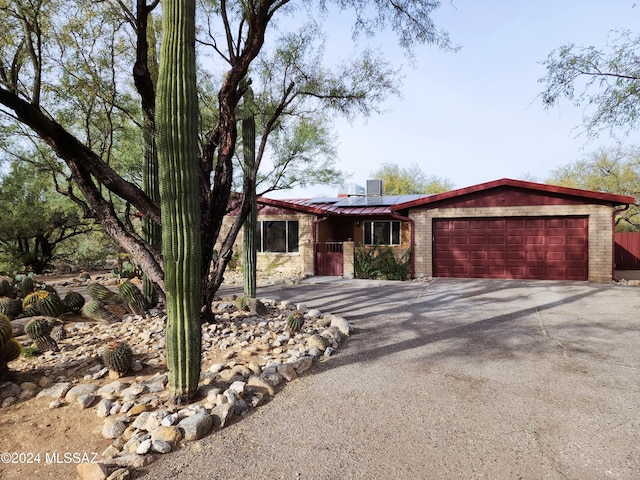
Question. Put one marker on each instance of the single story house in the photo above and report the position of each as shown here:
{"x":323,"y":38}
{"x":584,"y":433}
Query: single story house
{"x":500,"y":229}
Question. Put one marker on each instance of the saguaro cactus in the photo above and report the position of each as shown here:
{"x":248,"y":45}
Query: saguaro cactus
{"x":177,"y":135}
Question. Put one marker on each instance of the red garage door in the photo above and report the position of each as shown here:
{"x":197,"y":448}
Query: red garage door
{"x":545,"y":248}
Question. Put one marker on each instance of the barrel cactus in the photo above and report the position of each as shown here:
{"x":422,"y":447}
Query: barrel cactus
{"x":96,"y":310}
{"x":134,"y":297}
{"x":295,"y":321}
{"x":102,"y":294}
{"x":11,"y":307}
{"x":74,"y":302}
{"x":33,"y":298}
{"x":118,"y":357}
{"x":58,"y":333}
{"x":6,"y":289}
{"x":39,"y":330}
{"x":6,"y":330}
{"x":10,"y":348}
{"x":26,"y":286}
{"x":51,"y":305}
{"x":10,"y":351}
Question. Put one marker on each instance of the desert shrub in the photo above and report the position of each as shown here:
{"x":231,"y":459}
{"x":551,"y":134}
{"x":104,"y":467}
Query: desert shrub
{"x":381,"y":262}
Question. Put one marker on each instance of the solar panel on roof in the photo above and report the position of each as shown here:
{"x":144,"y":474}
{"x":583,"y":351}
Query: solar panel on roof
{"x":386,"y":200}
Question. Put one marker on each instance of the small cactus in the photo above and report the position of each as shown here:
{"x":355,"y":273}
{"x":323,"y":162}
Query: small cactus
{"x":6,"y":289}
{"x":10,"y":351}
{"x":118,"y":357}
{"x":74,"y":302}
{"x":295,"y":321}
{"x":11,"y":307}
{"x":250,"y":304}
{"x":6,"y":330}
{"x":134,"y":297}
{"x":33,"y":298}
{"x":26,"y":286}
{"x":103,"y":294}
{"x":58,"y":333}
{"x":95,"y":310}
{"x":39,"y":330}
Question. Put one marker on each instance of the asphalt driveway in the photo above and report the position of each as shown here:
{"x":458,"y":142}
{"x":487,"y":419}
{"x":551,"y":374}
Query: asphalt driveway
{"x":453,"y":379}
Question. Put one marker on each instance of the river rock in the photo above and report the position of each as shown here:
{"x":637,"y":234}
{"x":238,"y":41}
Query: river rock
{"x":196,"y":426}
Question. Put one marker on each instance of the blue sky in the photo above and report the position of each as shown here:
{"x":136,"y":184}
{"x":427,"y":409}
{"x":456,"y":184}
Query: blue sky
{"x":474,"y":116}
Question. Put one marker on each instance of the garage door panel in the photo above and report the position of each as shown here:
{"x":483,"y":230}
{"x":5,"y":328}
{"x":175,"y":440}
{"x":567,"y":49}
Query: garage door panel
{"x":539,"y":247}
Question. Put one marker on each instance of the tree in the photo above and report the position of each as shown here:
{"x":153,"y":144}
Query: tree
{"x":36,"y":220}
{"x":409,"y":180}
{"x":61,"y":81}
{"x":607,"y":81}
{"x":612,"y":171}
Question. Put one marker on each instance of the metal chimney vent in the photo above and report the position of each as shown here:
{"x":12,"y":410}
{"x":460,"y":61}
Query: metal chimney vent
{"x":374,"y":188}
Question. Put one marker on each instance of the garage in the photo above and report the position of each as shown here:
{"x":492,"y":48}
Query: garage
{"x":542,"y":248}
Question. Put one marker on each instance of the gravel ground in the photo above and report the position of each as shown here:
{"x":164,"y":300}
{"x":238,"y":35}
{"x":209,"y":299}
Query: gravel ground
{"x":464,"y":379}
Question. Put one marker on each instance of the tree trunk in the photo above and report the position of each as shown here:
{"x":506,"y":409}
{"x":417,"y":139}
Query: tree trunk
{"x":177,"y":129}
{"x":249,"y":152}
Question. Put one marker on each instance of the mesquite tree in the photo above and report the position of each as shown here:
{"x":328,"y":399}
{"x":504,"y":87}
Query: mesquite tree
{"x":249,"y":153}
{"x":62,"y":88}
{"x":177,"y":134}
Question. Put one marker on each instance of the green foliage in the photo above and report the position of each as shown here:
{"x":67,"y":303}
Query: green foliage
{"x":36,"y":219}
{"x":118,"y":357}
{"x":410,"y":180}
{"x":381,"y":263}
{"x":295,"y":321}
{"x":605,"y":81}
{"x":606,"y":170}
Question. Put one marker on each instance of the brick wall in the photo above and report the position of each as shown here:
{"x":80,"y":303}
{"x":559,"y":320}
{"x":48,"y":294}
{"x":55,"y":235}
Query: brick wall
{"x":600,"y":232}
{"x":300,"y":262}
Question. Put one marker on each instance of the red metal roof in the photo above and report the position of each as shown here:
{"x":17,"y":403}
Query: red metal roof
{"x":614,"y":199}
{"x":388,"y":205}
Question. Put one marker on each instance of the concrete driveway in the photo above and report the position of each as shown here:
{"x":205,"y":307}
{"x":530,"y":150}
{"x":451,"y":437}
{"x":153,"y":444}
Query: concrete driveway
{"x":453,"y":379}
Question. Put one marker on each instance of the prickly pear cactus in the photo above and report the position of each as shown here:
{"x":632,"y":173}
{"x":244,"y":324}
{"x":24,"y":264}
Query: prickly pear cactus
{"x":134,"y":297}
{"x":118,"y":357}
{"x":102,"y":294}
{"x":295,"y":321}
{"x":74,"y":302}
{"x":95,"y":310}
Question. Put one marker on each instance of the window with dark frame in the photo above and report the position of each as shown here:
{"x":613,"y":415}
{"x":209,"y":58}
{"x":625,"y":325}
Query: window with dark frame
{"x":382,"y":233}
{"x":280,"y":236}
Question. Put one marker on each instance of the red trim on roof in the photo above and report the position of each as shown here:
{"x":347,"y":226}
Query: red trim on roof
{"x":540,"y":187}
{"x":296,"y":205}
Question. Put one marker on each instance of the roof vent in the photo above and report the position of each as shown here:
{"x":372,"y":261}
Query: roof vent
{"x":374,"y":188}
{"x":351,"y":190}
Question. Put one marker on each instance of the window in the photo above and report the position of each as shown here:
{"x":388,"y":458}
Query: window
{"x":277,"y":236}
{"x":382,"y":233}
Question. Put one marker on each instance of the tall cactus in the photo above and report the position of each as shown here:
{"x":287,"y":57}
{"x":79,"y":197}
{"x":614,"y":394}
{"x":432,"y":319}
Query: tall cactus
{"x":249,"y":152}
{"x":177,"y":141}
